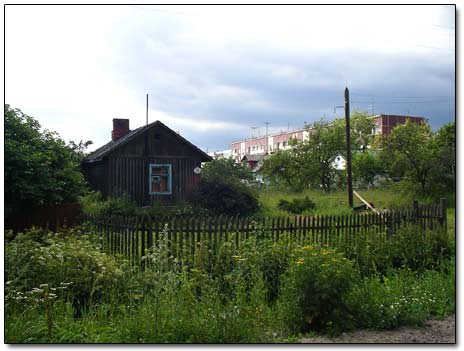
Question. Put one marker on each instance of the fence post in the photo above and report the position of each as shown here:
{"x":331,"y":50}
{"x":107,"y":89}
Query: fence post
{"x":443,"y":219}
{"x":415,"y":211}
{"x":388,"y":223}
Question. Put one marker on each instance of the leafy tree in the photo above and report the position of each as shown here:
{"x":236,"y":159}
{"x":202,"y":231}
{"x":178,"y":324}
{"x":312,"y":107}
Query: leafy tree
{"x":361,"y":130}
{"x":365,"y":166}
{"x":444,"y":174}
{"x":40,"y":169}
{"x":285,"y":167}
{"x":413,"y":148}
{"x":319,"y":151}
{"x":226,"y":170}
{"x":224,"y":188}
{"x":310,"y":163}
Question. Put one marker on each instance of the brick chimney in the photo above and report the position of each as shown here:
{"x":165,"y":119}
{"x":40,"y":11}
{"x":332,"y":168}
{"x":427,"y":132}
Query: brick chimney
{"x":120,"y":128}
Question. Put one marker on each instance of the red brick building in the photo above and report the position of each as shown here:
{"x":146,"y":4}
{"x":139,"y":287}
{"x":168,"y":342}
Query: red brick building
{"x":385,"y":123}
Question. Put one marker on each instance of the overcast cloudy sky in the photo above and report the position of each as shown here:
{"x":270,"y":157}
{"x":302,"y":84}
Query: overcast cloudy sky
{"x":213,"y":72}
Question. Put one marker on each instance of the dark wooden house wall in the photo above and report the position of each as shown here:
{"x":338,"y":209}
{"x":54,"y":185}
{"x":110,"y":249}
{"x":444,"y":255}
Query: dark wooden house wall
{"x":126,"y":169}
{"x":130,"y":175}
{"x":96,"y":174}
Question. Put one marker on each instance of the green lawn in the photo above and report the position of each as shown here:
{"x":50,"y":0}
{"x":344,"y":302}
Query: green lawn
{"x":334,"y":203}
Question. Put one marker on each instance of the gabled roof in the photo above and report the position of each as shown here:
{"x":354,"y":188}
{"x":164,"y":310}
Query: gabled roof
{"x":255,"y":158}
{"x":106,"y":149}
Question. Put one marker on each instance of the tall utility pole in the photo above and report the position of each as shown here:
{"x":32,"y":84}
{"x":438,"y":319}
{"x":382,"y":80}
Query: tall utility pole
{"x":348,"y":147}
{"x":147,"y":110}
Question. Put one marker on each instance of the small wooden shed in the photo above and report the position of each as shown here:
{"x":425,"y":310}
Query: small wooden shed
{"x":151,"y":164}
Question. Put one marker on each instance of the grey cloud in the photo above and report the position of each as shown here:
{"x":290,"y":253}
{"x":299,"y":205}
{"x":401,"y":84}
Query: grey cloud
{"x":253,"y":84}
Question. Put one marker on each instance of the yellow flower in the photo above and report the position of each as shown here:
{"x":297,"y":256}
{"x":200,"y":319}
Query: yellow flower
{"x":300,"y":262}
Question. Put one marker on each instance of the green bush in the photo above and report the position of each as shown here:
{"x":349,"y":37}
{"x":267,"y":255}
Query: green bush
{"x":37,"y":257}
{"x":297,"y":206}
{"x":226,"y":198}
{"x":94,"y":204}
{"x":410,"y":247}
{"x":403,"y":297}
{"x":313,"y":289}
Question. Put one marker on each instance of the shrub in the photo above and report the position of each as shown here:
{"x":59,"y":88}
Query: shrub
{"x":419,"y":249}
{"x":94,"y":204}
{"x":35,"y":258}
{"x":403,"y":297}
{"x":297,"y":206}
{"x":270,"y":258}
{"x":410,"y":247}
{"x":313,"y":289}
{"x":226,"y":198}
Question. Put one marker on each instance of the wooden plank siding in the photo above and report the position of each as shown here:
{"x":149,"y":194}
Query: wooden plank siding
{"x":125,"y":170}
{"x":130,"y":176}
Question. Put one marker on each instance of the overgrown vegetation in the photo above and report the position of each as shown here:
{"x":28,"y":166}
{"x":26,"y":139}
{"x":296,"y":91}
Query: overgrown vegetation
{"x":61,"y":288}
{"x":93,"y":204}
{"x":40,"y":169}
{"x":421,"y":160}
{"x":297,"y":206}
{"x":225,"y":188}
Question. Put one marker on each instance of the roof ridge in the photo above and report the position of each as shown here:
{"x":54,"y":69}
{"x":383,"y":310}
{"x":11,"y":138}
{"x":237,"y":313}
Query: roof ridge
{"x":102,"y":151}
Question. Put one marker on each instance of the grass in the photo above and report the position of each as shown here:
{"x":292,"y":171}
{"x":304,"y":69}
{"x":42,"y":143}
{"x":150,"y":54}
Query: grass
{"x":334,"y":203}
{"x":221,"y":298}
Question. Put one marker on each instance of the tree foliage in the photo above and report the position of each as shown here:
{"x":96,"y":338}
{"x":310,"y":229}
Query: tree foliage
{"x":426,"y":159}
{"x":365,"y":166}
{"x":226,"y":170}
{"x":224,"y":188}
{"x":40,"y":169}
{"x":285,"y":168}
{"x":413,"y":148}
{"x":310,"y":163}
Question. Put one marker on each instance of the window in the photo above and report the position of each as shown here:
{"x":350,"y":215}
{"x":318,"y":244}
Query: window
{"x":160,"y":179}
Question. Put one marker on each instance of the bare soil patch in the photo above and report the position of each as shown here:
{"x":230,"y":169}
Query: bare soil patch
{"x":434,"y":331}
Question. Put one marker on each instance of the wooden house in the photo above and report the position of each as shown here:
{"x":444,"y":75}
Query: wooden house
{"x":151,"y":164}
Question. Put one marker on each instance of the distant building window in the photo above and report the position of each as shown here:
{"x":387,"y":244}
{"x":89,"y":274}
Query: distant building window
{"x":160,"y":179}
{"x":249,"y":149}
{"x":284,"y":144}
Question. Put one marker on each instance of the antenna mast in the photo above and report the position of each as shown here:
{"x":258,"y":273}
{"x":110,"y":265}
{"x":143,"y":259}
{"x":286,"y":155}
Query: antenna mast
{"x":147,"y":110}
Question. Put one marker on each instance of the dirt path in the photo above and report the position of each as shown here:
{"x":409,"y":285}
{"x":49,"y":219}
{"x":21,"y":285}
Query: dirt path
{"x":434,"y":331}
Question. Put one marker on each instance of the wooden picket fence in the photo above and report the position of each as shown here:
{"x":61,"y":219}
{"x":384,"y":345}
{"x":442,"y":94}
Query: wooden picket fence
{"x":182,"y":236}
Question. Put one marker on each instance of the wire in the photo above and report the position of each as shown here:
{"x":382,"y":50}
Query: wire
{"x":157,"y":10}
{"x":400,"y":102}
{"x":400,"y":97}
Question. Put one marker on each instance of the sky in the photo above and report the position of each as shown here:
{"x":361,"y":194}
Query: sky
{"x":217,"y":74}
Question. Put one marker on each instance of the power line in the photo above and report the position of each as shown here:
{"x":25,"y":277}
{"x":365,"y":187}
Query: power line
{"x":157,"y":10}
{"x":401,"y":97}
{"x":400,"y":102}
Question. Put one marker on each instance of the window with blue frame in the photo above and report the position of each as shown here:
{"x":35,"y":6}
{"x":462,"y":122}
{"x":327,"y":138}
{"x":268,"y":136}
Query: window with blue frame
{"x":160,"y":179}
